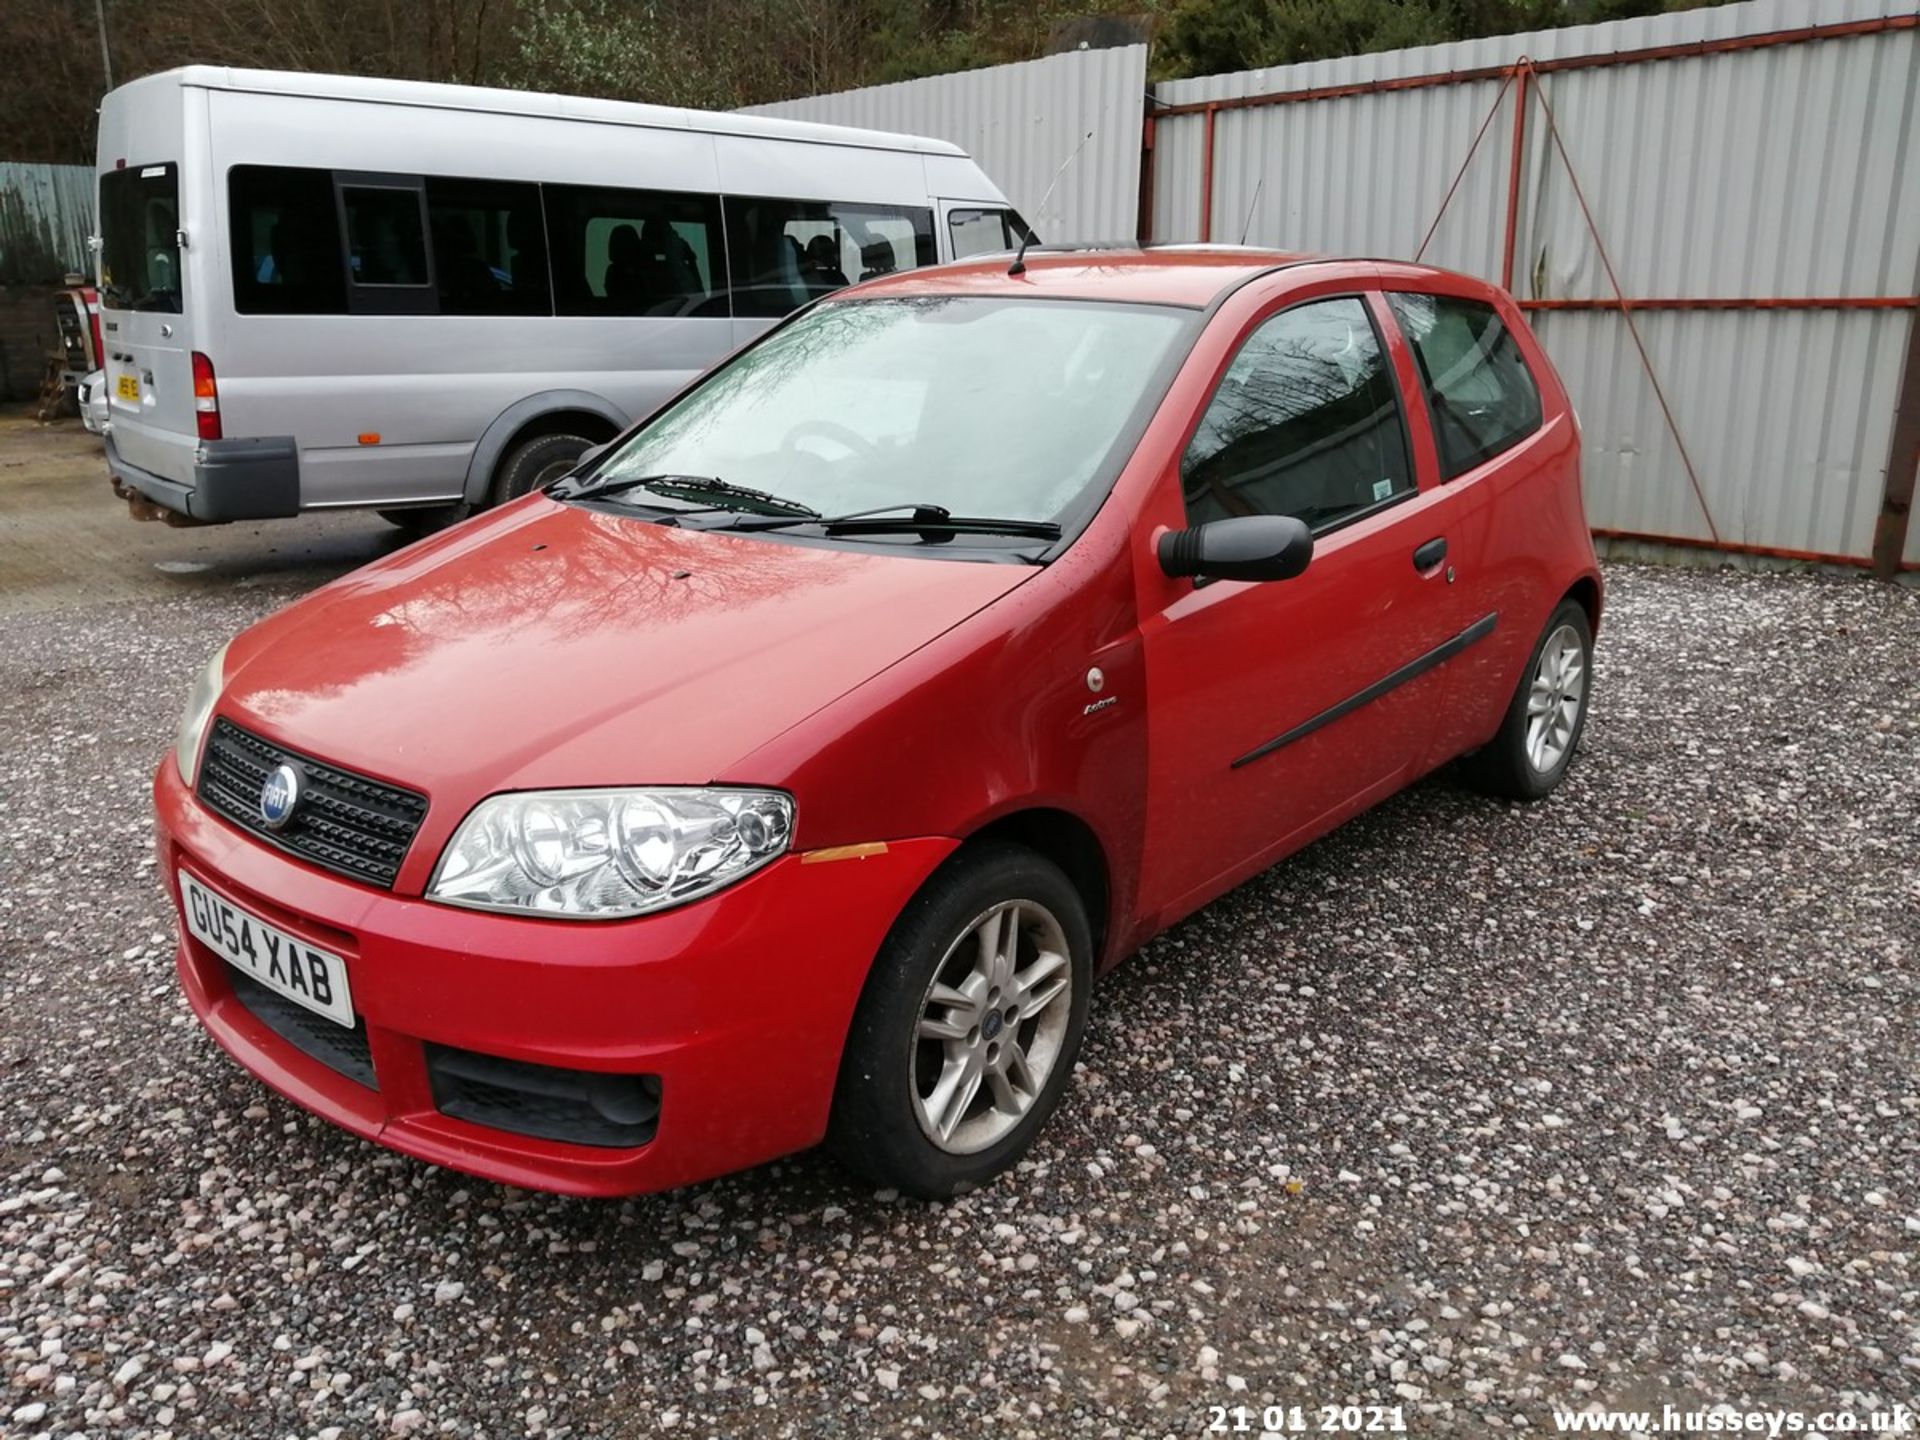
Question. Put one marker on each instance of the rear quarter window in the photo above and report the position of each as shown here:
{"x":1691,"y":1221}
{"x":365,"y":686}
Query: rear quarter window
{"x":1481,"y":395}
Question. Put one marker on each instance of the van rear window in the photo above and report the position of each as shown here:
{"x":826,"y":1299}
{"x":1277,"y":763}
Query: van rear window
{"x":139,"y":245}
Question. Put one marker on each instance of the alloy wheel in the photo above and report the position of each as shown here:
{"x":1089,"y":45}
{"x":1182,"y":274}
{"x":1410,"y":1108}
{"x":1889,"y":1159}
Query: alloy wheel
{"x":991,"y":1026}
{"x":1558,"y":691}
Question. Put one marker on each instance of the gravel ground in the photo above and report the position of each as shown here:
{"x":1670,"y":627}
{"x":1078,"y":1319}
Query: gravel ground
{"x":1474,"y":1109}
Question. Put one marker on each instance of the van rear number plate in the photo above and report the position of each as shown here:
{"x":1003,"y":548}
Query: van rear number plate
{"x":127,"y":387}
{"x":311,"y":977}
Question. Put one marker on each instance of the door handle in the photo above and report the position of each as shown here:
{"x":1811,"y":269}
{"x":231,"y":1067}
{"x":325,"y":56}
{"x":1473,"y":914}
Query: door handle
{"x":1430,"y":554}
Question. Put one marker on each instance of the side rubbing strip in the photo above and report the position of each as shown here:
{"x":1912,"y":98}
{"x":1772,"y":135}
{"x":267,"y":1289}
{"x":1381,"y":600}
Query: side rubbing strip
{"x":1412,"y":670}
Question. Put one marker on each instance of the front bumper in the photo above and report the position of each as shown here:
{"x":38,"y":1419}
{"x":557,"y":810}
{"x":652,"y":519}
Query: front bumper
{"x":739,"y":1003}
{"x":256,"y":479}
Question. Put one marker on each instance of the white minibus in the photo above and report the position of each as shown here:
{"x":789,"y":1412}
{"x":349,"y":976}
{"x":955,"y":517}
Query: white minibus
{"x":321,"y":292}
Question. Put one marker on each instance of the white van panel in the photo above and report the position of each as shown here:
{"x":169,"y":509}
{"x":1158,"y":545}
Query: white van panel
{"x":429,"y":385}
{"x":391,"y":409}
{"x":255,"y":129}
{"x":752,"y":166}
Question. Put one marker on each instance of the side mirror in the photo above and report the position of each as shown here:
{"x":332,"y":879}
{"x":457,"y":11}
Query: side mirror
{"x":1244,"y":547}
{"x":591,"y":454}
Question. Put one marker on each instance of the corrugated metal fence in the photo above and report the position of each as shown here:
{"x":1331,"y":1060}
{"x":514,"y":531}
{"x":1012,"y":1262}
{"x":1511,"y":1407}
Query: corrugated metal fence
{"x":46,"y":214}
{"x":1021,"y":122}
{"x":1753,"y":173}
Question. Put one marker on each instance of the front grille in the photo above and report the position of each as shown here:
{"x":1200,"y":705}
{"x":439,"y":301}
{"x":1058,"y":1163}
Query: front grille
{"x":579,"y":1107}
{"x":332,"y":1045}
{"x":344,"y":822}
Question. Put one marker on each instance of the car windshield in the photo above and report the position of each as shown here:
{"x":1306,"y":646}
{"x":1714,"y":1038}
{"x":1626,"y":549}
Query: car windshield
{"x":985,"y":406}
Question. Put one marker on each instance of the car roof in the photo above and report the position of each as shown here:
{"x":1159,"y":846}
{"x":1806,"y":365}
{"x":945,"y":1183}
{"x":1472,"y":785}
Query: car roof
{"x":1192,"y":275}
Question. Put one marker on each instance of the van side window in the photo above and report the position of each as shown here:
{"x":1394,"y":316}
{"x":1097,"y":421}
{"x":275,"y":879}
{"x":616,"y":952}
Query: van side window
{"x":285,"y":242}
{"x":385,"y":241}
{"x":1306,"y":422}
{"x":1482,"y":397}
{"x":983,"y":232}
{"x":783,"y":253}
{"x":634,"y":252}
{"x":489,"y":247}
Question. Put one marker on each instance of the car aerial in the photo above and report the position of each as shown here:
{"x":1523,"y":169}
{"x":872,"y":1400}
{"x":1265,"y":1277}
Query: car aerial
{"x":789,"y":769}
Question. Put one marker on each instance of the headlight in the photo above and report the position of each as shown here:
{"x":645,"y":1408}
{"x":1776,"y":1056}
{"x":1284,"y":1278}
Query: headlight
{"x":601,"y":854}
{"x":193,"y":723}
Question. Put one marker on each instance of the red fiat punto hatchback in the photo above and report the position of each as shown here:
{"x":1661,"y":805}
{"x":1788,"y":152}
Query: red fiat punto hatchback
{"x":788,"y":771}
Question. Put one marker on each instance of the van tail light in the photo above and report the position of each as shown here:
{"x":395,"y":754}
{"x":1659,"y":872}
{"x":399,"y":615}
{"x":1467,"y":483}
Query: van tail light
{"x":206,"y":398}
{"x":92,"y":297}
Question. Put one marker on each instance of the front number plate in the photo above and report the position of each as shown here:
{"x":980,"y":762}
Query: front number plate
{"x":127,"y":387}
{"x":295,"y":969}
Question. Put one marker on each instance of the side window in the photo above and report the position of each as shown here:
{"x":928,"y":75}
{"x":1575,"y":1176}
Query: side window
{"x":1305,"y":422}
{"x":285,"y":242}
{"x":386,"y":240}
{"x":784,"y":253}
{"x":634,"y":252}
{"x":982,"y":232}
{"x":1482,"y":397}
{"x":489,"y":247}
{"x":978,"y":232}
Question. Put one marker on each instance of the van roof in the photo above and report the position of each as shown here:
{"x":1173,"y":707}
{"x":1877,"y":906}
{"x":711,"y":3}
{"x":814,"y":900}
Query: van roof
{"x":372,"y":90}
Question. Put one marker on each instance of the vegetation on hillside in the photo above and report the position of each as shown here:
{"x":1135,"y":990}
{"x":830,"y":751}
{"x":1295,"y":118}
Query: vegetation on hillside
{"x":709,"y":53}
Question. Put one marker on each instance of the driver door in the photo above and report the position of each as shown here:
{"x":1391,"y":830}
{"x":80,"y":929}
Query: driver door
{"x":1280,"y":707}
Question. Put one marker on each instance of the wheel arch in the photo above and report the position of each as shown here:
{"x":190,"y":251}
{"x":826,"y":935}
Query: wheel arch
{"x":547,"y":413}
{"x":1069,"y":842}
{"x":1586,"y":591}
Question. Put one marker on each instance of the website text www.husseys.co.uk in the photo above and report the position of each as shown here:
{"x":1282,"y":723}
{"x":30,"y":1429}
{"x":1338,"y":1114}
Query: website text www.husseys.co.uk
{"x":1726,"y":1420}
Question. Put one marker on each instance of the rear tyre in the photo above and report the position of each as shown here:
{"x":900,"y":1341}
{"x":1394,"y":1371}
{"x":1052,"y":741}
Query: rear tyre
{"x":965,"y":1036}
{"x":536,"y":462}
{"x":1530,"y":755}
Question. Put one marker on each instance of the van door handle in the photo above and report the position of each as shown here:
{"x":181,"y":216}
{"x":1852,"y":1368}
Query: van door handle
{"x":1430,"y":554}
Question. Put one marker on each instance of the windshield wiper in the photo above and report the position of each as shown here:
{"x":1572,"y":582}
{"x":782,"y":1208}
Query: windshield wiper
{"x":929,"y":520}
{"x":694,"y":487}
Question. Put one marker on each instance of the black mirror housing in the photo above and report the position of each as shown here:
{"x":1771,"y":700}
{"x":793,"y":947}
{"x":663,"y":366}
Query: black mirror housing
{"x":1242,"y":547}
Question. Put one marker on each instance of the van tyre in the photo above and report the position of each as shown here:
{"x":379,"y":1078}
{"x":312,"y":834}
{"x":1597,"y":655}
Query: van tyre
{"x":965,"y":1037}
{"x":536,"y":462}
{"x":1530,"y":755}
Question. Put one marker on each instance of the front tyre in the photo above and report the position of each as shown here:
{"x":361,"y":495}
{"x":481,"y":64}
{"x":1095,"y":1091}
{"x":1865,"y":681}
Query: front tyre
{"x":534,"y":463}
{"x":965,"y":1036}
{"x":1530,"y":755}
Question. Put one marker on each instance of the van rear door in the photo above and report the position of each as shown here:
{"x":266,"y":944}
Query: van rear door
{"x":148,"y":364}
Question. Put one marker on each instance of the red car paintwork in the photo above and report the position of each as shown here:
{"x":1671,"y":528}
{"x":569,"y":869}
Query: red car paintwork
{"x":908,"y":703}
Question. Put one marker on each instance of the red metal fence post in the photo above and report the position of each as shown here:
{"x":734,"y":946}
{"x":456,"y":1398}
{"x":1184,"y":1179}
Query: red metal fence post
{"x":1206,"y":179}
{"x":1143,"y":225}
{"x":1520,"y":79}
{"x":1903,"y":466}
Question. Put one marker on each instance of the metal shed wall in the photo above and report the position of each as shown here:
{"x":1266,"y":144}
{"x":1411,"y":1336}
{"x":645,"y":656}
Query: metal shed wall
{"x":1787,"y":172}
{"x":46,"y":214}
{"x":1020,"y":122}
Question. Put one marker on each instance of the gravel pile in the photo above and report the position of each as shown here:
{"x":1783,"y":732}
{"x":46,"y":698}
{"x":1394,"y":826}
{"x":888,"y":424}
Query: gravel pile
{"x":1472,"y":1109}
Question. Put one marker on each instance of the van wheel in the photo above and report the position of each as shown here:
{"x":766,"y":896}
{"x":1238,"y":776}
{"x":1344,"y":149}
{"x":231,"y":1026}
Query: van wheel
{"x":536,"y":462}
{"x":425,"y":519}
{"x":1530,"y":755}
{"x":965,"y":1036}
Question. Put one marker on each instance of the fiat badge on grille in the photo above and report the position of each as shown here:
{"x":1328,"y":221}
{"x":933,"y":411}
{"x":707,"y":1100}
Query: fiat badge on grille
{"x":279,"y":796}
